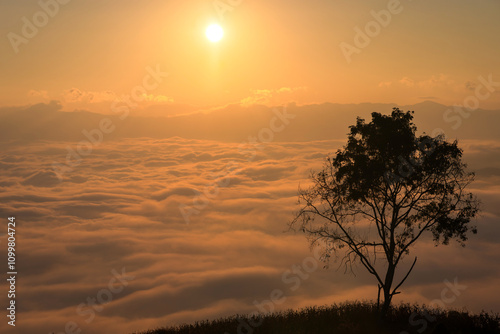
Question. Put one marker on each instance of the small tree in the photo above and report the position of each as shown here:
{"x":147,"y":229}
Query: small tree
{"x":381,"y":192}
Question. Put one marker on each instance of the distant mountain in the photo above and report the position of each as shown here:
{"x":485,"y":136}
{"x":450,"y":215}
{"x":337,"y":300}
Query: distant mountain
{"x":235,"y":123}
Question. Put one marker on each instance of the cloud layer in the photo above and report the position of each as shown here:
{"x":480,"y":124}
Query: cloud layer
{"x":120,"y":208}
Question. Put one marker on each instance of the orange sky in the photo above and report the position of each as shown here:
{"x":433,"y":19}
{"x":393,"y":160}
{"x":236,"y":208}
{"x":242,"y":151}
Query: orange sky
{"x":91,"y":201}
{"x":272,"y":52}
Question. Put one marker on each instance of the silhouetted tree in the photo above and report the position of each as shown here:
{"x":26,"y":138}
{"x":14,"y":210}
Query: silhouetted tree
{"x":382,"y":192}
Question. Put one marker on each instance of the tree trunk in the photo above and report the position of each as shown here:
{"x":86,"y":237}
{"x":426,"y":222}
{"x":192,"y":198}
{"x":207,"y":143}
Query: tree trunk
{"x":389,"y":277}
{"x":387,"y":303}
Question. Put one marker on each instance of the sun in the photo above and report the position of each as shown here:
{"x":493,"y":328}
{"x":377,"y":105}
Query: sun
{"x":214,"y":33}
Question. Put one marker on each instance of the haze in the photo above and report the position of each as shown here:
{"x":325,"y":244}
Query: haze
{"x":118,"y":117}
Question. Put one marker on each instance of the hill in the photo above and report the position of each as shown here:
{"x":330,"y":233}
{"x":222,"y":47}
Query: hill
{"x":347,"y":318}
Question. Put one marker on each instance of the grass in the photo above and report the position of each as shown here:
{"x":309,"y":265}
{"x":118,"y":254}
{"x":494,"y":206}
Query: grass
{"x":346,"y":318}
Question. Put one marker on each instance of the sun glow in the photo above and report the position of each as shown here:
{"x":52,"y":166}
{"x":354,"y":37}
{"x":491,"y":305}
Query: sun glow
{"x":214,"y":33}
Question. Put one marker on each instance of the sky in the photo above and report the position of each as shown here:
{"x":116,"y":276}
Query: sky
{"x":153,"y":173}
{"x":423,"y":50}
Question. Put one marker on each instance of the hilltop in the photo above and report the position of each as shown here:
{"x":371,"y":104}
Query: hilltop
{"x":346,"y":318}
